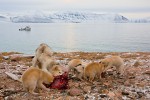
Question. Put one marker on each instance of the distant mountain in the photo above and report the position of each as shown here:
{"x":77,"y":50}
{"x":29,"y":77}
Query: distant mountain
{"x":70,"y":17}
{"x":4,"y":18}
{"x":144,"y":20}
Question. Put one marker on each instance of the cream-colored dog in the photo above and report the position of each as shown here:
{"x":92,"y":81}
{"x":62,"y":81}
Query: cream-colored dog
{"x":56,"y":70}
{"x":43,"y":48}
{"x":74,"y":63}
{"x":114,"y":61}
{"x":34,"y":77}
{"x":77,"y":66}
{"x":43,"y":51}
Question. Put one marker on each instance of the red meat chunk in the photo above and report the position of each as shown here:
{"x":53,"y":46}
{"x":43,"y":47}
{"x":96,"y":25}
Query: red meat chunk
{"x":60,"y":82}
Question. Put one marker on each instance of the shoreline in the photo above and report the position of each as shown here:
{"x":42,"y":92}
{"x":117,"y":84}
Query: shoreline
{"x":133,"y":85}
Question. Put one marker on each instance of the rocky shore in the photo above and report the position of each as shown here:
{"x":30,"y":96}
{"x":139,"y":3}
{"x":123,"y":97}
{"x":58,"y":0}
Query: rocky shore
{"x":134,"y":85}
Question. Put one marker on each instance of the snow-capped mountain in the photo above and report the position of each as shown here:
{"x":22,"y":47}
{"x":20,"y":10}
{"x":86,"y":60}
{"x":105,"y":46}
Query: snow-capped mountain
{"x":4,"y":18}
{"x":68,"y":17}
{"x":144,"y":20}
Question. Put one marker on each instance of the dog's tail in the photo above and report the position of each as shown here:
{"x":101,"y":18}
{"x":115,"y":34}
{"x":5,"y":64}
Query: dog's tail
{"x":13,"y":76}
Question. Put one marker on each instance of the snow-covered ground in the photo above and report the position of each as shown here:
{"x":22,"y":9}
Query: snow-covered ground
{"x":67,"y":17}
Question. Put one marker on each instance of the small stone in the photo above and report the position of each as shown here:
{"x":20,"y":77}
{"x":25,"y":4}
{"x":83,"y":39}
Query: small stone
{"x":140,"y":94}
{"x":87,"y":89}
{"x":103,"y":95}
{"x":75,"y":92}
{"x":136,"y":64}
{"x":147,"y":72}
{"x":6,"y":57}
{"x":105,"y":91}
{"x":127,"y":83}
{"x":15,"y":58}
{"x":125,"y":93}
{"x":111,"y":94}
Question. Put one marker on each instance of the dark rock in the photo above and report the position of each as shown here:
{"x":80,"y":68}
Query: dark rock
{"x":140,"y":94}
{"x":125,"y":93}
{"x":103,"y":95}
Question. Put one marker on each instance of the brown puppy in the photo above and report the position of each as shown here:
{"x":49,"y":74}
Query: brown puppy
{"x":113,"y":61}
{"x":34,"y":77}
{"x":92,"y":70}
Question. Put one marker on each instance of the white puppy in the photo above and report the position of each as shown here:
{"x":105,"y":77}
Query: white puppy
{"x":113,"y":61}
{"x":42,"y":53}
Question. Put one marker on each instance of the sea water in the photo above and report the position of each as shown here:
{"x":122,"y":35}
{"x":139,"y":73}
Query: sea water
{"x":70,"y":37}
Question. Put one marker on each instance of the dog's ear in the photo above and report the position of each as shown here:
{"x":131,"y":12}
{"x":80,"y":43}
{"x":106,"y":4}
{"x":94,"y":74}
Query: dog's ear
{"x":75,"y":69}
{"x":101,"y":62}
{"x":104,"y":63}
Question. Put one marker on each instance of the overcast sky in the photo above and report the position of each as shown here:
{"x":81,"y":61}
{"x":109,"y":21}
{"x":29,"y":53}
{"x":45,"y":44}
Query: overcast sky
{"x":114,"y":6}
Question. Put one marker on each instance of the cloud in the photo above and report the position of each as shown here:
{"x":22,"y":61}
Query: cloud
{"x":106,"y":5}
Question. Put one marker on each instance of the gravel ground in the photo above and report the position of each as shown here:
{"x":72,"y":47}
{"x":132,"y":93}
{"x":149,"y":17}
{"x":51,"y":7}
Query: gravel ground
{"x":134,"y":85}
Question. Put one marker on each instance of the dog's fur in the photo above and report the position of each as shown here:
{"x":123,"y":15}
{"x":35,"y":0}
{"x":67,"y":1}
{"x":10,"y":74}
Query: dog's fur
{"x":55,"y":70}
{"x":114,"y":61}
{"x":43,"y":57}
{"x":41,"y":51}
{"x":35,"y":77}
{"x":45,"y":62}
{"x":92,"y":70}
{"x":43,"y":48}
{"x":79,"y":70}
{"x":77,"y":66}
{"x":74,"y":63}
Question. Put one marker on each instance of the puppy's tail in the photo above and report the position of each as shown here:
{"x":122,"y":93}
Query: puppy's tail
{"x":13,"y":76}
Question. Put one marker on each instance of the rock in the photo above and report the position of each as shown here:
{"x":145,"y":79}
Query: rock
{"x":76,"y":84}
{"x":140,"y":94}
{"x":105,"y":91}
{"x":11,"y":75}
{"x":27,"y":56}
{"x":147,"y":72}
{"x":125,"y":93}
{"x":103,"y":95}
{"x":107,"y":84}
{"x":136,"y":64}
{"x":6,"y":57}
{"x":141,"y":84}
{"x":87,"y":89}
{"x":111,"y":94}
{"x":118,"y":94}
{"x":127,"y":83}
{"x":18,"y":57}
{"x":15,"y":57}
{"x":75,"y":92}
